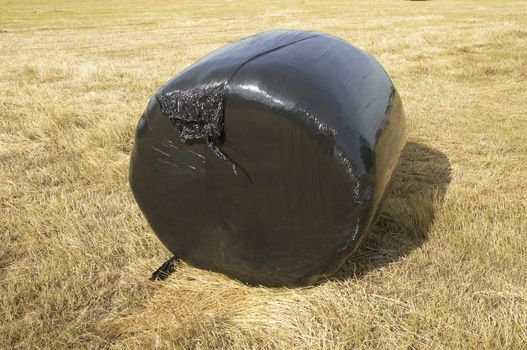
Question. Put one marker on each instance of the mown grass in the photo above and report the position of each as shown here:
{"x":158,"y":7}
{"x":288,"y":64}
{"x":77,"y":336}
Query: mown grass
{"x":445,"y":266}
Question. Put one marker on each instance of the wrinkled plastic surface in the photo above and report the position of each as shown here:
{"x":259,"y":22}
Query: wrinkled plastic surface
{"x":267,"y":160}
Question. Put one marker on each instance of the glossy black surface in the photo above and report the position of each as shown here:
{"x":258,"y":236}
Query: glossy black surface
{"x":281,"y":189}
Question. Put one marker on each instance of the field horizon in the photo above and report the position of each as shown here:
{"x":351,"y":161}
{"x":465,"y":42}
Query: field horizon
{"x":444,"y":267}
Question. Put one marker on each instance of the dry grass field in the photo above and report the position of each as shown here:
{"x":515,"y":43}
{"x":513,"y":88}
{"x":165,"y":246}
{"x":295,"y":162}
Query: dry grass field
{"x":444,"y":267}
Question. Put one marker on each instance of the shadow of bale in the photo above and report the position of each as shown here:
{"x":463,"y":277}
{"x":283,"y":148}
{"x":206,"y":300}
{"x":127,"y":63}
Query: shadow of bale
{"x":418,"y":187}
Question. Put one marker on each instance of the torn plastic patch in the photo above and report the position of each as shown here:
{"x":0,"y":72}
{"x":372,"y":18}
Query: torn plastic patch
{"x":198,"y":114}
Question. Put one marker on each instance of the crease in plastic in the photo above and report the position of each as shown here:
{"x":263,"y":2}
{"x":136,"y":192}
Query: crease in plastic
{"x":198,"y":114}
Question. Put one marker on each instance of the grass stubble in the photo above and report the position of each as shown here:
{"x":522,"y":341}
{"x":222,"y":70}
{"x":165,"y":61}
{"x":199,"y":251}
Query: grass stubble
{"x":444,"y":267}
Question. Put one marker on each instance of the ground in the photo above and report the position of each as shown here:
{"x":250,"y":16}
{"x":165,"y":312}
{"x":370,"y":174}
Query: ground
{"x":444,"y":267}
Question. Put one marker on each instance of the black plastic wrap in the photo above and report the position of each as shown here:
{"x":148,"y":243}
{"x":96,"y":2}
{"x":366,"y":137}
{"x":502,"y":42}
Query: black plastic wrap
{"x":267,"y":160}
